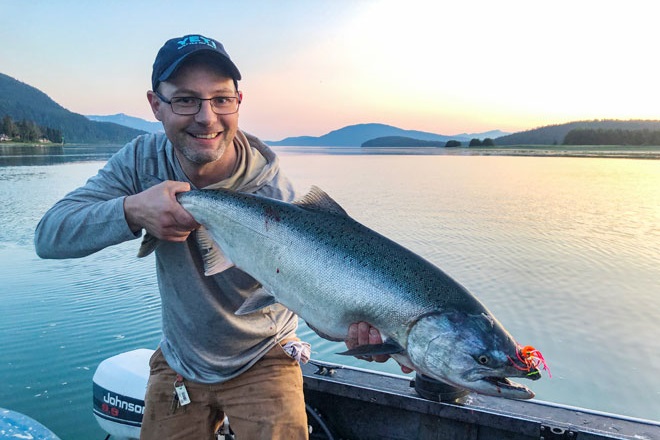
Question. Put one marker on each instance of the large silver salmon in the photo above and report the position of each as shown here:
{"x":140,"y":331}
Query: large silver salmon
{"x":332,"y":271}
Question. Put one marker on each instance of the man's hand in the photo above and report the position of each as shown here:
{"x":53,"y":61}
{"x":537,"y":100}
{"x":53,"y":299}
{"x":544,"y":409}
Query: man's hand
{"x":158,"y":211}
{"x":362,"y":333}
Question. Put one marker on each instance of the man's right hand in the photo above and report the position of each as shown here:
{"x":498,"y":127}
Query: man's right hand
{"x":158,"y":211}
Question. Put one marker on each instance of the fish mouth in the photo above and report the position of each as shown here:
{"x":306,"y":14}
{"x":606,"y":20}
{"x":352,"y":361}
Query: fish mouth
{"x":495,"y":383}
{"x":497,"y":386}
{"x":502,"y":386}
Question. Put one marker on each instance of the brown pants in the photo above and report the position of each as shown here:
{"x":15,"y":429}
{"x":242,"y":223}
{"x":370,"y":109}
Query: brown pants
{"x":265,"y":402}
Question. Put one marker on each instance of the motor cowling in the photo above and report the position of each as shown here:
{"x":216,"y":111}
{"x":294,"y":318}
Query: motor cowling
{"x":119,"y":387}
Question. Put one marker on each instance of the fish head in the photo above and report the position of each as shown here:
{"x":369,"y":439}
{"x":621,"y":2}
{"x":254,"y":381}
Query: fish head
{"x":471,"y":351}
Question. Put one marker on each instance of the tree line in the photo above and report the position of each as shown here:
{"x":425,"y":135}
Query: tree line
{"x":603,"y":136}
{"x":28,"y":131}
{"x":487,"y":142}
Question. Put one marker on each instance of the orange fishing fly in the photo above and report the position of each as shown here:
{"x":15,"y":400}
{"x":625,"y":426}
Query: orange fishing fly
{"x":532,"y":359}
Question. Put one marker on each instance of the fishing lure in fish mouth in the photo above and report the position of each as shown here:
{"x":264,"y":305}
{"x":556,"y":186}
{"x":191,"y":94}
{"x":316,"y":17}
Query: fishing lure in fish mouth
{"x":532,"y":359}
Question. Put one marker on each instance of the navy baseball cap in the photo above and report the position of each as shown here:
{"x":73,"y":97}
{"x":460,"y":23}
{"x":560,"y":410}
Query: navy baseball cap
{"x":176,"y":50}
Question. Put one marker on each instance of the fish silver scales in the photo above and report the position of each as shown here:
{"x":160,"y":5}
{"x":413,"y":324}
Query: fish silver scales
{"x":332,"y":271}
{"x":296,"y":242}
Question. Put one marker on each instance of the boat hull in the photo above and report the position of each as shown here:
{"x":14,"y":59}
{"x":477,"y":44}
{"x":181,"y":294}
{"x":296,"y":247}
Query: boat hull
{"x":349,"y":402}
{"x":357,"y":403}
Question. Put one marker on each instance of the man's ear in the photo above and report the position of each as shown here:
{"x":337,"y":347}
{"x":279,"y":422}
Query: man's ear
{"x":155,"y":104}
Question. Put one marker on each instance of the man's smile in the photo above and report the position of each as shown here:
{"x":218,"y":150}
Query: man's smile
{"x":205,"y":136}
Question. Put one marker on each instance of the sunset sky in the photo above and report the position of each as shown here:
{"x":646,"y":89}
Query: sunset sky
{"x":312,"y":66}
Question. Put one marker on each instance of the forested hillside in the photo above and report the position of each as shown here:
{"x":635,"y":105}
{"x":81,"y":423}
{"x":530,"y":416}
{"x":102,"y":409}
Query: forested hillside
{"x":22,"y":102}
{"x":555,"y":134}
{"x":603,"y":136}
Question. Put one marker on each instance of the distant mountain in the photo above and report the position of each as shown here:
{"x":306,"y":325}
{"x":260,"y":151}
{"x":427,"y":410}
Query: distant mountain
{"x":129,"y":121}
{"x":555,"y":134}
{"x":481,"y":136}
{"x":356,"y":135}
{"x":21,"y":101}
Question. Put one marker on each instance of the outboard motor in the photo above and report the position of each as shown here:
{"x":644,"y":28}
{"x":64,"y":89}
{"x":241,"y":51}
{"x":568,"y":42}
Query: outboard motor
{"x":120,"y":383}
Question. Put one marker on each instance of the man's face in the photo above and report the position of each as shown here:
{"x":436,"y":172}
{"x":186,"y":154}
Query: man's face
{"x":205,"y":137}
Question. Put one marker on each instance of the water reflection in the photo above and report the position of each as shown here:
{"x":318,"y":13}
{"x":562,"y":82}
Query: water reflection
{"x":31,"y":155}
{"x":564,"y":251}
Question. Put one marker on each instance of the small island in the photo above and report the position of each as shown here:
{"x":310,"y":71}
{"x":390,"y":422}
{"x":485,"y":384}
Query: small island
{"x":401,"y":141}
{"x":408,"y":142}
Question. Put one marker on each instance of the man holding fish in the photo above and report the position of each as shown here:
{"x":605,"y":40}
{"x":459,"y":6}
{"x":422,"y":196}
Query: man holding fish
{"x":212,"y":199}
{"x":210,"y":362}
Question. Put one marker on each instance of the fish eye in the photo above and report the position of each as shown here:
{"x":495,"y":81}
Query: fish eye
{"x":483,"y":359}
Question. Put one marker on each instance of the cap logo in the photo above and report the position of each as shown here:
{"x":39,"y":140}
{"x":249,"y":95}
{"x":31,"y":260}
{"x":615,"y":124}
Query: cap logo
{"x":195,"y":39}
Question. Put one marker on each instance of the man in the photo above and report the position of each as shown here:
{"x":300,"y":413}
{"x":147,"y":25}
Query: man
{"x":210,"y":362}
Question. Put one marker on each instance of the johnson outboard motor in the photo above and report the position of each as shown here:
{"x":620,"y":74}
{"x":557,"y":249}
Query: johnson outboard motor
{"x":120,"y":383}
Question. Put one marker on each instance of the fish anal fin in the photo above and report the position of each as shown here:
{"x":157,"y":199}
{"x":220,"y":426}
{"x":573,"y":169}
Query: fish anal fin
{"x":388,"y":347}
{"x":317,"y":199}
{"x":257,"y":301}
{"x":215,"y":261}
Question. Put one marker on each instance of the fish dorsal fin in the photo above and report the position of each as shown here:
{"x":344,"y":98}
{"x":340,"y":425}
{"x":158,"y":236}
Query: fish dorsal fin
{"x":258,"y":300}
{"x":316,"y":199}
{"x":214,"y":260}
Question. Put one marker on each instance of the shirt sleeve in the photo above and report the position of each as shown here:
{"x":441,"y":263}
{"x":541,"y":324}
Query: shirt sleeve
{"x":91,"y":217}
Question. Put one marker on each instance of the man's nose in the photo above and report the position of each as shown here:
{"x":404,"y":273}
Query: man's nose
{"x":206,"y":113}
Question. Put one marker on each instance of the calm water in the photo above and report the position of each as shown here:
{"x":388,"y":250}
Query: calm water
{"x":564,"y":251}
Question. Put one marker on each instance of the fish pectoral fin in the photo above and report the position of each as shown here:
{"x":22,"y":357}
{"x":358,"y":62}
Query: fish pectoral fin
{"x":317,"y":199}
{"x":388,"y":347}
{"x":215,"y":261}
{"x":148,"y":245}
{"x":257,"y":301}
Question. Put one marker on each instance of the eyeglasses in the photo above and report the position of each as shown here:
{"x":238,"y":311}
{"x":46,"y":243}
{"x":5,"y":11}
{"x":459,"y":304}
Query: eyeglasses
{"x":190,"y":105}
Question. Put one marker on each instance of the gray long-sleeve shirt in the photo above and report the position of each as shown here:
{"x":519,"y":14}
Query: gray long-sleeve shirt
{"x":203,"y":339}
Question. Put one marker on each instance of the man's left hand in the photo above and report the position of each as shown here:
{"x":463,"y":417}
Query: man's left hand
{"x":363,"y":333}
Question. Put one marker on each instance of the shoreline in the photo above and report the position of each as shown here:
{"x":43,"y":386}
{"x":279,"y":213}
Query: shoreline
{"x":605,"y":152}
{"x":578,"y":151}
{"x":584,"y":151}
{"x":29,"y":144}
